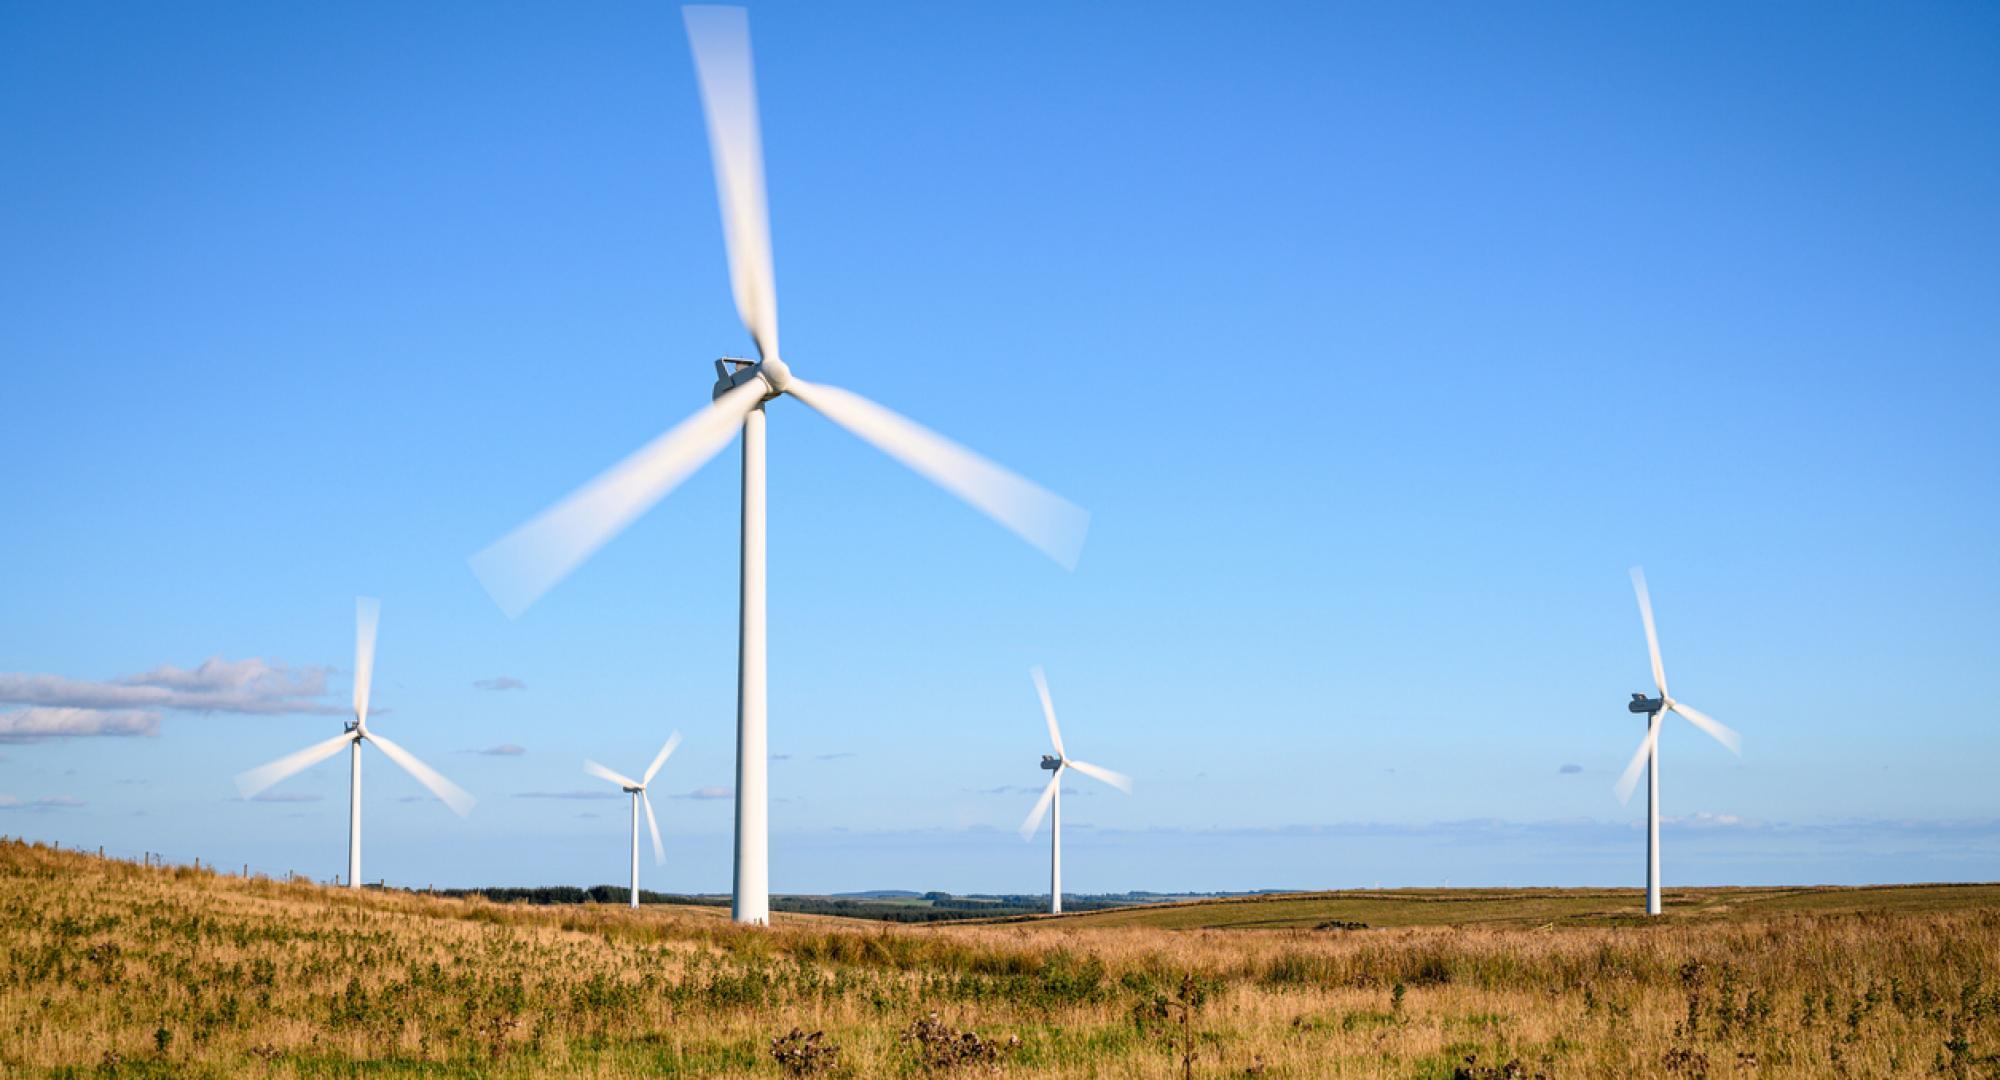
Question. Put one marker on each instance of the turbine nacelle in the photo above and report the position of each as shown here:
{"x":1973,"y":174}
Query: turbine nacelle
{"x":733,"y":371}
{"x":1051,"y":762}
{"x":1646,"y":706}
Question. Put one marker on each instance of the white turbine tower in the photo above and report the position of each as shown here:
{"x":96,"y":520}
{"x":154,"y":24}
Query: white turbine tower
{"x":1051,"y":801}
{"x":637,"y":788}
{"x":366,"y":612}
{"x":1648,"y":756}
{"x":524,"y":564}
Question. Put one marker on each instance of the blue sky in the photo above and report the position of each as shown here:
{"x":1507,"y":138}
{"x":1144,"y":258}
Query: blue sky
{"x":1379,"y":341}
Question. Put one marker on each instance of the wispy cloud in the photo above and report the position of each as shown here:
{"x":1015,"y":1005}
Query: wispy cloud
{"x":707,"y":793}
{"x":505,"y":749}
{"x":1702,"y":819}
{"x":781,"y":757}
{"x":1570,"y":770}
{"x":58,"y":706}
{"x":835,"y":756}
{"x":1023,"y":789}
{"x":582,"y":793}
{"x":38,"y":722}
{"x":284,"y":797}
{"x":499,"y":682}
{"x":50,"y":802}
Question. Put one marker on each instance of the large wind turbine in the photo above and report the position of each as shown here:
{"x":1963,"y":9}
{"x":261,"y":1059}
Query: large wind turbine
{"x":367,"y":611}
{"x":524,"y":564}
{"x":1648,"y":757}
{"x":637,"y":788}
{"x":1051,"y":801}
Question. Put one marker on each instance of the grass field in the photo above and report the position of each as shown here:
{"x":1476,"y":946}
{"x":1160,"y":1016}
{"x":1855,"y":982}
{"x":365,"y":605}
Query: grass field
{"x":114,"y":969}
{"x":1526,"y":908}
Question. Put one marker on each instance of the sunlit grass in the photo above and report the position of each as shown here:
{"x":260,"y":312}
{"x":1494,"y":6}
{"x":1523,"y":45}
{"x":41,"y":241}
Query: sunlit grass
{"x":111,"y":969}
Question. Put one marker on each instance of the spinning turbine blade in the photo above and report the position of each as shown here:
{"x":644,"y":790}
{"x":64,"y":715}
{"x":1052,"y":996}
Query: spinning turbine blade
{"x":367,"y":612}
{"x":1652,"y":636}
{"x":255,"y":780}
{"x":1048,"y":708}
{"x":661,"y":759}
{"x":1034,"y":820}
{"x":521,"y":566}
{"x":454,"y":796}
{"x":1116,"y":779}
{"x":1716,"y":730}
{"x":720,"y":37}
{"x":594,"y":769}
{"x":1631,"y":777}
{"x":1041,"y":517}
{"x":659,"y":849}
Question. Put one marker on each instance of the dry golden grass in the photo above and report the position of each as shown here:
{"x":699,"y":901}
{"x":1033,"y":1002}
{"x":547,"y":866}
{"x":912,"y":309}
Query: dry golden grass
{"x":112,"y":969}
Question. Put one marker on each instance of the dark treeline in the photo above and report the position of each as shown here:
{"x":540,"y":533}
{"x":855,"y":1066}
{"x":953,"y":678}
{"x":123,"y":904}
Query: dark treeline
{"x":933,"y":907}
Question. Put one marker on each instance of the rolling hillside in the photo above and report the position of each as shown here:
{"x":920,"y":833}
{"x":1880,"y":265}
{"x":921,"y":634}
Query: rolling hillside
{"x":112,"y":969}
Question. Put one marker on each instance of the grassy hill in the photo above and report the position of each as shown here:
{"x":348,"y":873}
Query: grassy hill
{"x":1532,"y":907}
{"x":111,"y":969}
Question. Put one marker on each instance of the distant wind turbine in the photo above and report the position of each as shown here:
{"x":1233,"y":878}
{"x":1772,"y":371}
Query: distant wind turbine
{"x":1648,"y":756}
{"x":1051,"y":801}
{"x":367,"y":611}
{"x":524,"y":564}
{"x":637,"y":788}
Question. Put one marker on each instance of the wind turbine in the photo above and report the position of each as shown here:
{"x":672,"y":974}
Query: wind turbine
{"x":1051,"y":801}
{"x":637,"y":788}
{"x":367,"y":611}
{"x":1648,"y":756}
{"x":525,"y":563}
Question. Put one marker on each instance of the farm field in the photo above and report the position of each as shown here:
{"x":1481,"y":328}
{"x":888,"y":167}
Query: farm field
{"x":1528,"y":908}
{"x":117,"y":970}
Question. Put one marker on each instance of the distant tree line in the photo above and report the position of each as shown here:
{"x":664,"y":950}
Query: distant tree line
{"x":929,"y":907}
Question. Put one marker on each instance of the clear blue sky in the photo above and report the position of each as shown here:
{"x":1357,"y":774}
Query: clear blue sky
{"x":1379,"y":341}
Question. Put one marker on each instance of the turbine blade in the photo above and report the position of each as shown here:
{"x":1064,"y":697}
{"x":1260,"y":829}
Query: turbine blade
{"x":1041,"y":809}
{"x":661,"y":759}
{"x":1652,"y":636}
{"x":594,"y":769}
{"x":659,"y":849}
{"x":1631,"y":776}
{"x":720,"y":38}
{"x":454,"y":796}
{"x":1116,"y":779}
{"x":255,"y":780}
{"x":519,"y":567}
{"x":367,"y":613}
{"x":1037,"y":515}
{"x":1716,"y":730}
{"x":1048,"y":708}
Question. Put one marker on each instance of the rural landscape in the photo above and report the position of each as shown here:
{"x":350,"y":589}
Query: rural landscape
{"x":118,"y":970}
{"x":1349,"y":417}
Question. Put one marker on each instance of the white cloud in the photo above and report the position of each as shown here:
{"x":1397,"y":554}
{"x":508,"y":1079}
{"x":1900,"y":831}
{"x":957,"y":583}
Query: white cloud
{"x":38,"y":722}
{"x":707,"y":793}
{"x":251,"y":686}
{"x":52,"y":802}
{"x":500,"y":682}
{"x":1702,"y":819}
{"x":505,"y":749}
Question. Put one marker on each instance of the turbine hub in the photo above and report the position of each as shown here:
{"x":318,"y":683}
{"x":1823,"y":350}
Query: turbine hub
{"x":775,"y":374}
